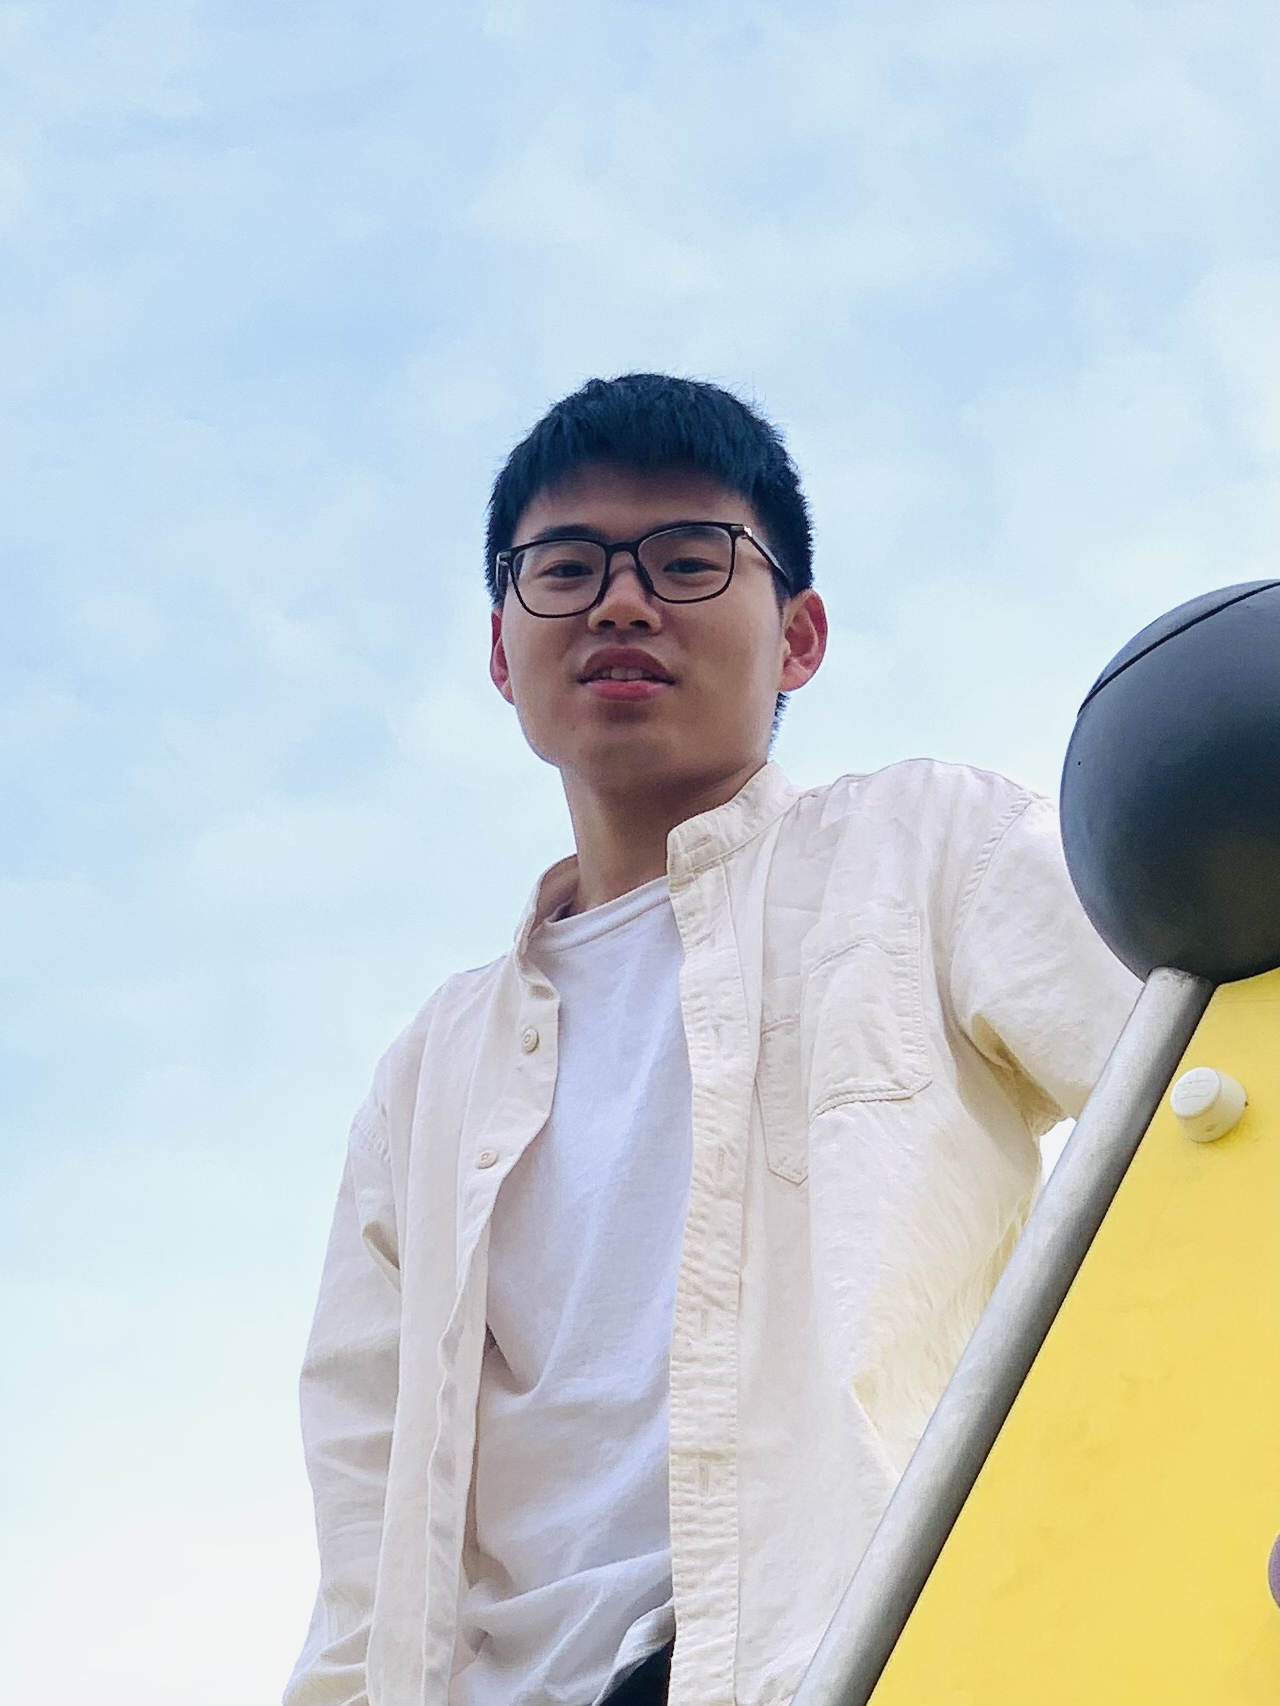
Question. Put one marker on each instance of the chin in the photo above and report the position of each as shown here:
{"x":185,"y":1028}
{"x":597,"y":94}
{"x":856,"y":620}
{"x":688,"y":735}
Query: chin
{"x":622,"y":759}
{"x":636,"y":758}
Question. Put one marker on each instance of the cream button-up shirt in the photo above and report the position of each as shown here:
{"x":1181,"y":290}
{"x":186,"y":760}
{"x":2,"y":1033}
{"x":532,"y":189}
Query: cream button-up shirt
{"x":889,"y":992}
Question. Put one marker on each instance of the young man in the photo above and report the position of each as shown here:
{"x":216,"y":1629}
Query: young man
{"x":659,"y":1238}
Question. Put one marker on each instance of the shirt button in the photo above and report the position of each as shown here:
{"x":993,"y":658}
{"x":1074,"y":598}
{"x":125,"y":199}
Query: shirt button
{"x":529,"y":1040}
{"x":486,"y":1158}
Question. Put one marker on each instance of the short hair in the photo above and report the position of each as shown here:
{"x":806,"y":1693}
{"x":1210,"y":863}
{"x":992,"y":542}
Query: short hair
{"x":654,"y":421}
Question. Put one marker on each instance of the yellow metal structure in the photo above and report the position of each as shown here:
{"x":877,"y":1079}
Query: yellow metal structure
{"x":1113,"y":1551}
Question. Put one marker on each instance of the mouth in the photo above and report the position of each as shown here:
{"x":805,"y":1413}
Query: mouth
{"x":625,"y":675}
{"x":617,"y":673}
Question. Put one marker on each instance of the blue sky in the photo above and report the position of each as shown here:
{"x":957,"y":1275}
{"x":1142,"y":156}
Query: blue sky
{"x":281,"y":285}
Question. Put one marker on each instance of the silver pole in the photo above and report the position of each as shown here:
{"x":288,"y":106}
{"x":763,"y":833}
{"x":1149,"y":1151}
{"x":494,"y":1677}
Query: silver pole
{"x":980,"y":1394}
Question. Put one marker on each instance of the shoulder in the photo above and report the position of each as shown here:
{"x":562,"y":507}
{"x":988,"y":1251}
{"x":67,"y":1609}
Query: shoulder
{"x":916,"y":836}
{"x":951,"y":812}
{"x":927,"y":787}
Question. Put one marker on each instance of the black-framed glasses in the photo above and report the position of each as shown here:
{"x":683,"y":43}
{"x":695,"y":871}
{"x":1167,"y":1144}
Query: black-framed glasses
{"x":685,"y":562}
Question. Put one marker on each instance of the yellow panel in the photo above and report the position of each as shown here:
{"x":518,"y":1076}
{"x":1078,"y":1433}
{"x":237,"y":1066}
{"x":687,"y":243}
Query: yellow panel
{"x":1114,"y":1549}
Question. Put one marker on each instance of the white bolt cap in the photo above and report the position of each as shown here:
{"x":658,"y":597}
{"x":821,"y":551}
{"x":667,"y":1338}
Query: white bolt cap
{"x":1207,"y":1104}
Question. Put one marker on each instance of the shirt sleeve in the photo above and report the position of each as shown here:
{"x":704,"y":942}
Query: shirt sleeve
{"x":1034,"y":987}
{"x":348,"y":1397}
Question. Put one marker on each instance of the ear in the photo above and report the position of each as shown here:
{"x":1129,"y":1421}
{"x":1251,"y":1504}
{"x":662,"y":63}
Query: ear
{"x":499,"y":670}
{"x":804,"y":639}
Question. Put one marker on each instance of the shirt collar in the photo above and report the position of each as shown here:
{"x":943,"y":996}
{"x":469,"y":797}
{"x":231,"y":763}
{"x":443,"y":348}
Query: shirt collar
{"x":692,"y":846}
{"x":703,"y":840}
{"x":553,"y":888}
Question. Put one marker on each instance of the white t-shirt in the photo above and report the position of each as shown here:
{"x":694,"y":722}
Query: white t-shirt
{"x":571,"y":1572}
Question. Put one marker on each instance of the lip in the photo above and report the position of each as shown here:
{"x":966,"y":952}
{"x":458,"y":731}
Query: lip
{"x":657,"y":679}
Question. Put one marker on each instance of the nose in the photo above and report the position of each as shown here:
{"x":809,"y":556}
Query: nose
{"x":627,"y":602}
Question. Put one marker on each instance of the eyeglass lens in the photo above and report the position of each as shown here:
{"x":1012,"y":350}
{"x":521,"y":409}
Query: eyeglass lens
{"x":560,"y":577}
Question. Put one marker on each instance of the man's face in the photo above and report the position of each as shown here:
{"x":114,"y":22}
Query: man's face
{"x":703,"y":710}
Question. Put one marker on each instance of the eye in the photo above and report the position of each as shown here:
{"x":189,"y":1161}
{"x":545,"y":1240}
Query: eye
{"x":689,"y":566}
{"x":694,"y":557}
{"x":564,"y":569}
{"x":563,"y":562}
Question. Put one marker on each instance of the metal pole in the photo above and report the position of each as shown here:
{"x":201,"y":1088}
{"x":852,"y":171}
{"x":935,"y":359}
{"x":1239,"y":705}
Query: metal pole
{"x":988,"y":1377}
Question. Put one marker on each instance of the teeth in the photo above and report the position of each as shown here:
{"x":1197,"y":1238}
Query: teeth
{"x":624,"y":675}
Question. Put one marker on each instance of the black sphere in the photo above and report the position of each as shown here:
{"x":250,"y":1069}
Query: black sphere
{"x":1171,"y":790}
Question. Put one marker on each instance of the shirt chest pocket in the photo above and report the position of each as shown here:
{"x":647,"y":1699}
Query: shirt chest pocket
{"x":848,"y":1028}
{"x":861,"y":1014}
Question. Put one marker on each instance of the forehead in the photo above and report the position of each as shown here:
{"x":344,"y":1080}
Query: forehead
{"x":622,"y":503}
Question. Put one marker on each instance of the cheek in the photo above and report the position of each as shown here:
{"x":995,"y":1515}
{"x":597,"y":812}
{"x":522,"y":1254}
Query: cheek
{"x":747,"y":657}
{"x":535,"y":662}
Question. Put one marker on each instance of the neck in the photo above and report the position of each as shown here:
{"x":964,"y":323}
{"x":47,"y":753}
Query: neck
{"x":622,"y":838}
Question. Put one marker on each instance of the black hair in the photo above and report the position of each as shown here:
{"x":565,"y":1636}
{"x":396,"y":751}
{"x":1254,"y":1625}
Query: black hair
{"x":652,"y":421}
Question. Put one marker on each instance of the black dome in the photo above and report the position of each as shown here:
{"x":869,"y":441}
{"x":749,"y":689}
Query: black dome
{"x":1171,"y":790}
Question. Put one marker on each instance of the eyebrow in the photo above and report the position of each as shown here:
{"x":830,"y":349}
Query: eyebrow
{"x":570,"y":530}
{"x":583,"y":530}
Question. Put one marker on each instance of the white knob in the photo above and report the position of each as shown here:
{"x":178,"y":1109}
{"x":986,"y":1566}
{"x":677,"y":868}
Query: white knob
{"x":1207,"y":1104}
